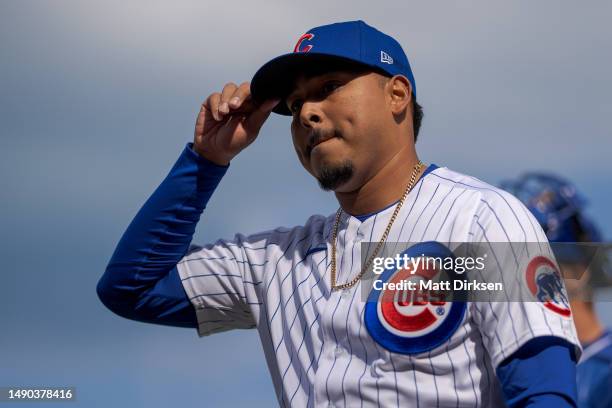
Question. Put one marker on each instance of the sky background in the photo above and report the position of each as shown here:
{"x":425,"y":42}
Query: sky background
{"x":98,"y":99}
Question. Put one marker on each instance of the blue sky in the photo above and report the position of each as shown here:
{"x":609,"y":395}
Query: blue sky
{"x":98,"y":99}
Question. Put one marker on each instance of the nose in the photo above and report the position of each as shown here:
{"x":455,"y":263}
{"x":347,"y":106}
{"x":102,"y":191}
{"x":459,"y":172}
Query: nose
{"x":310,"y":114}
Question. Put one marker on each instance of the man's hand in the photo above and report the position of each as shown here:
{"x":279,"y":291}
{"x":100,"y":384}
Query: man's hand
{"x":228,"y":122}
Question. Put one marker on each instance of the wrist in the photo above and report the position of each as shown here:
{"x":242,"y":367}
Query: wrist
{"x":219,"y":160}
{"x":206,"y":162}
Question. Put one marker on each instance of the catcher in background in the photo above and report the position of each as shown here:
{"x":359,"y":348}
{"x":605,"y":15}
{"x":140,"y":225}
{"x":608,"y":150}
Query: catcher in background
{"x":558,"y":207}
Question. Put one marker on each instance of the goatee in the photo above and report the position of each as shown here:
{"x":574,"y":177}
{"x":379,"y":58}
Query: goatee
{"x":332,"y":177}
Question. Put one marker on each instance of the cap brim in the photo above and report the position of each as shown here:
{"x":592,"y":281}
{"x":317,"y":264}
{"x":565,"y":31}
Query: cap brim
{"x":276,"y":78}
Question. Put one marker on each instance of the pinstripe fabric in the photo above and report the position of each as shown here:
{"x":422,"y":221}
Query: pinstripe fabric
{"x":318,"y":350}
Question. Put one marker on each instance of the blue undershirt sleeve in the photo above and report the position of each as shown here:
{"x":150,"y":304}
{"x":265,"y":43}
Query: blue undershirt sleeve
{"x":542,"y":374}
{"x":141,"y":281}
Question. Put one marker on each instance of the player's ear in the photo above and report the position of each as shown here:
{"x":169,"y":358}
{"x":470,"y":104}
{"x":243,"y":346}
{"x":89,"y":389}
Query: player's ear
{"x":400,"y":93}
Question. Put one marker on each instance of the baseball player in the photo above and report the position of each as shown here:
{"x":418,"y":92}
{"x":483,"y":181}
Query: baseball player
{"x":558,"y":207}
{"x":351,"y":96}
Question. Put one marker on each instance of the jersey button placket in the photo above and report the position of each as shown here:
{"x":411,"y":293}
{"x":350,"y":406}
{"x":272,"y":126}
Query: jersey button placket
{"x":335,"y":303}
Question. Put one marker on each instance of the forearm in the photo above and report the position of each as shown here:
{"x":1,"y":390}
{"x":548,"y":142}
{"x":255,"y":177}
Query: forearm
{"x":138,"y":276}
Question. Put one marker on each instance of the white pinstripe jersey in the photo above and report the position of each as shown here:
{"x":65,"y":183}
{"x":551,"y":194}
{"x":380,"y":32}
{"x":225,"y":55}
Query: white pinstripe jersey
{"x":317,"y":347}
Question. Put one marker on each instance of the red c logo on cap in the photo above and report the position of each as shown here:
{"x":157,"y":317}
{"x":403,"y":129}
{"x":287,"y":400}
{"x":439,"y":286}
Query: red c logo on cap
{"x":307,"y":36}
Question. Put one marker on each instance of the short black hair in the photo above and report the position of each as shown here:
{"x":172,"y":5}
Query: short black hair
{"x":417,"y":117}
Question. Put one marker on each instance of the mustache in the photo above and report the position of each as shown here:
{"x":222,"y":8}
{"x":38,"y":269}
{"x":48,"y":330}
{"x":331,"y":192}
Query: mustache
{"x":317,"y":136}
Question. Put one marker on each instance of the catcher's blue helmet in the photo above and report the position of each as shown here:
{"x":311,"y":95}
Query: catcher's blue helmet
{"x":558,"y":207}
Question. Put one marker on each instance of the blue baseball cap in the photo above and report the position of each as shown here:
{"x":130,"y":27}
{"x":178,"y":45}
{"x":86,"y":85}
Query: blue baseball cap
{"x":330,"y":45}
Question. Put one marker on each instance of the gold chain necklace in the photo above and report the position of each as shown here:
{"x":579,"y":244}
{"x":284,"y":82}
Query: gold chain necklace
{"x":413,"y":178}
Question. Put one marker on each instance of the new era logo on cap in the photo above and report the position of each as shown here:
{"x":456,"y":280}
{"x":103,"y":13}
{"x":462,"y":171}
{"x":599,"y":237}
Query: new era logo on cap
{"x":386,"y":58}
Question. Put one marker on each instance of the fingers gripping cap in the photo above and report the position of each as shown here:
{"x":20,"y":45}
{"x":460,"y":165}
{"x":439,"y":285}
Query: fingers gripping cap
{"x":351,"y":41}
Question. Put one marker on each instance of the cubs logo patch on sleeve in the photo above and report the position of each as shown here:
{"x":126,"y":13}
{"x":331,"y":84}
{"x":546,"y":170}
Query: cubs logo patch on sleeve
{"x":545,"y":284}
